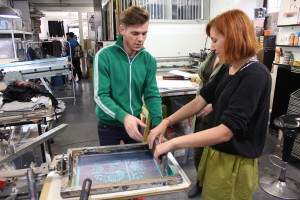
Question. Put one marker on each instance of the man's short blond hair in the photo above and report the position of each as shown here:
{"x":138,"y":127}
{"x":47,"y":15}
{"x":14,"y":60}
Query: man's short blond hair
{"x":134,"y":15}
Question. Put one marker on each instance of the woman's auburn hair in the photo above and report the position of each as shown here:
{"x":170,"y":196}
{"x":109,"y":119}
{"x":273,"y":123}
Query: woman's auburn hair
{"x":240,"y":40}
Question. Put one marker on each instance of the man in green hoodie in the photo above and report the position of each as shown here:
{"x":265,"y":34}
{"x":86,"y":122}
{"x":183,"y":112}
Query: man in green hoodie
{"x":124,"y":79}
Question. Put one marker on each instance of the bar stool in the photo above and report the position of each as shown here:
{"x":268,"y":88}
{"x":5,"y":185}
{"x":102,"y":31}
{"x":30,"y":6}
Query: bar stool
{"x":282,"y":186}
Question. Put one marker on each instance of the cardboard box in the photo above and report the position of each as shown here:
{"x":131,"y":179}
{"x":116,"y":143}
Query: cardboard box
{"x":88,"y":44}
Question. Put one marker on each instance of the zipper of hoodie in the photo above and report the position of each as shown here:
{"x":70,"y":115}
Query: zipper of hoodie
{"x":130,"y":64}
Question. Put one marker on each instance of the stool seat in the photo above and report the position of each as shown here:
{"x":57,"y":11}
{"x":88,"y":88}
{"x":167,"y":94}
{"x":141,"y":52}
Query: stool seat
{"x":288,"y":123}
{"x":281,"y":186}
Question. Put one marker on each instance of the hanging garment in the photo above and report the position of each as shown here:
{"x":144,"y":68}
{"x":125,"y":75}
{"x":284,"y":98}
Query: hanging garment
{"x":31,"y":55}
{"x":55,"y":29}
{"x":57,"y":48}
{"x":47,"y":46}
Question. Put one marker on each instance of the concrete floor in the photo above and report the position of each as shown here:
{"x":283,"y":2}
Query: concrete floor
{"x":82,"y":132}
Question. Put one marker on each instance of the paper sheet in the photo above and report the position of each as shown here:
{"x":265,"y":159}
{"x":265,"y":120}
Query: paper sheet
{"x":174,"y":84}
{"x":181,"y":73}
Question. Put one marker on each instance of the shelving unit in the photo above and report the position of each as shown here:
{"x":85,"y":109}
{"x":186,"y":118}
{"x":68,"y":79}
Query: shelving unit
{"x":11,"y":34}
{"x":286,"y":81}
{"x":288,"y":76}
{"x":293,"y":46}
{"x":281,"y":64}
{"x":288,"y":25}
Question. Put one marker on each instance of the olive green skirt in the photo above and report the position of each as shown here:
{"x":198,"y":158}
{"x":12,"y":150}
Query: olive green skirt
{"x":227,"y":177}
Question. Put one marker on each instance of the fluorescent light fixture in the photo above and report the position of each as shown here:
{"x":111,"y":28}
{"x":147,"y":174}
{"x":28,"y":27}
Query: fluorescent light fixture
{"x":8,"y":12}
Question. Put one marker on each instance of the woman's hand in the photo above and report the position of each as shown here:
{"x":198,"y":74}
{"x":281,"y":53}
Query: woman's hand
{"x":205,"y":111}
{"x":162,"y":149}
{"x":158,"y":131}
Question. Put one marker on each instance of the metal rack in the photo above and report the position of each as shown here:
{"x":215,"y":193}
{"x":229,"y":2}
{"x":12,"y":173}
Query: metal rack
{"x":12,"y":33}
{"x":22,"y":118}
{"x":21,"y":71}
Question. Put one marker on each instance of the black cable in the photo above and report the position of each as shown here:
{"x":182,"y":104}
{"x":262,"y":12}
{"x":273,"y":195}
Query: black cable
{"x":205,"y":42}
{"x":206,"y":35}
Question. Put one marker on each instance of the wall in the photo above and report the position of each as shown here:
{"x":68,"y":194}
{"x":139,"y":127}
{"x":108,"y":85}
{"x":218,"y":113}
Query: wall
{"x":219,"y":6}
{"x":24,"y":8}
{"x":4,"y":2}
{"x":20,"y":5}
{"x":173,"y":39}
{"x":52,"y":16}
{"x":288,"y":13}
{"x":179,"y":39}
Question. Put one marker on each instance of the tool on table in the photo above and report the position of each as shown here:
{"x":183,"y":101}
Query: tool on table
{"x":176,"y":77}
{"x":86,"y":188}
{"x":164,"y":158}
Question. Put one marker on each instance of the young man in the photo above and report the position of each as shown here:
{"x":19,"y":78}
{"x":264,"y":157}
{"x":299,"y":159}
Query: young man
{"x":124,"y":78}
{"x":75,"y":61}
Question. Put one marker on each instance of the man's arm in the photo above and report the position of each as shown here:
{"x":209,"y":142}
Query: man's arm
{"x":106,"y":103}
{"x":102,"y":83}
{"x":151,"y":95}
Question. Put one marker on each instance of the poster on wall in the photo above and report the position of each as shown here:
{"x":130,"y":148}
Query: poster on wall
{"x":289,"y":12}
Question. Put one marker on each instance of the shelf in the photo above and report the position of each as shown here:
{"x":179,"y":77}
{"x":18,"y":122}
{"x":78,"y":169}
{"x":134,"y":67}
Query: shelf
{"x":284,"y":65}
{"x":15,"y":32}
{"x":288,"y":25}
{"x":12,"y":34}
{"x":280,"y":45}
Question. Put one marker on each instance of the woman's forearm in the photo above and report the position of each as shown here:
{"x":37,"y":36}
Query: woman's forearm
{"x":204,"y":138}
{"x":188,"y":110}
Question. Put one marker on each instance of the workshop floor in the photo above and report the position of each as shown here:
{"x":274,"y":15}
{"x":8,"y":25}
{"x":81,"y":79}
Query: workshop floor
{"x":82,"y":132}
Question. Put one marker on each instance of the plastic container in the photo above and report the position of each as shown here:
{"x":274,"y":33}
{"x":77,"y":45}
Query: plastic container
{"x":291,"y":60}
{"x":296,"y":39}
{"x":291,"y":39}
{"x":267,"y":32}
{"x":57,"y":81}
{"x":277,"y":56}
{"x":185,"y":126}
{"x":286,"y":57}
{"x":181,"y":155}
{"x":261,"y":41}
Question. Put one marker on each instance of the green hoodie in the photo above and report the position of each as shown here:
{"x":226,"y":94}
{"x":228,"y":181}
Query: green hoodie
{"x":121,"y":85}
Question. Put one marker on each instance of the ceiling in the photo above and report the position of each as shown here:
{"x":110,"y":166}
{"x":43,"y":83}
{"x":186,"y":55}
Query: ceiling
{"x":65,"y":5}
{"x":62,"y":3}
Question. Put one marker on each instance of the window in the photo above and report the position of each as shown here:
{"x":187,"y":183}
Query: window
{"x":176,"y":9}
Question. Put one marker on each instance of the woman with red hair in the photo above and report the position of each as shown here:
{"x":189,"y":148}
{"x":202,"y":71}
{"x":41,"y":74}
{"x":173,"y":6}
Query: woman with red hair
{"x":240,"y":96}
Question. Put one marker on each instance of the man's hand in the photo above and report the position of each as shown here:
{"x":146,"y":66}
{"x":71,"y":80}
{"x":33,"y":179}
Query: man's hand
{"x":205,"y":111}
{"x":158,"y":131}
{"x":131,"y":124}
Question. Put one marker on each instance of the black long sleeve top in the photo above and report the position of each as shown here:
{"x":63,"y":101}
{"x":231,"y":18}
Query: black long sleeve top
{"x":241,"y":102}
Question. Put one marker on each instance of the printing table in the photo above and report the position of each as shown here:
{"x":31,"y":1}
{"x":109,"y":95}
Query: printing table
{"x":157,"y":186}
{"x":37,"y":69}
{"x":22,"y":118}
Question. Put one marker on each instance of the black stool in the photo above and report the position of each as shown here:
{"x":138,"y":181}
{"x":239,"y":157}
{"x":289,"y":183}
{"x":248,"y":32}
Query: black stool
{"x":282,"y":186}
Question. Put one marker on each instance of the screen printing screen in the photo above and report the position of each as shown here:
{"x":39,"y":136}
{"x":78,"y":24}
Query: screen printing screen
{"x":116,"y":167}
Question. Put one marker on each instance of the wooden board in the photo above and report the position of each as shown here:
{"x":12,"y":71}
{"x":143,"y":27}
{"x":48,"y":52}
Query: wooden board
{"x":115,"y":169}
